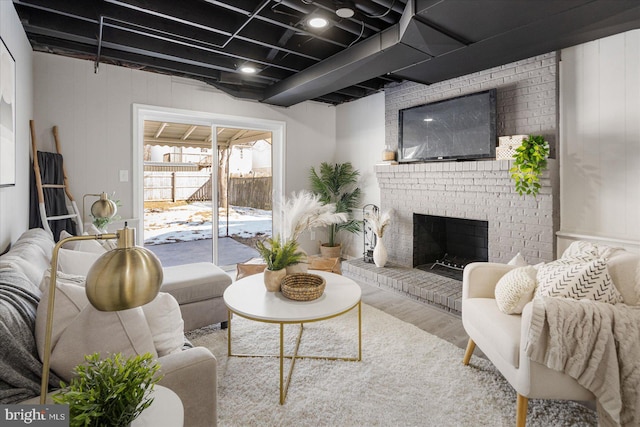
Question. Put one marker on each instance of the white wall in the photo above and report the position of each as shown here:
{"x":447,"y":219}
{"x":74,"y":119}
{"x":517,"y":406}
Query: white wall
{"x":600,"y":141}
{"x":14,"y":201}
{"x":93,"y":113}
{"x":360,"y":135}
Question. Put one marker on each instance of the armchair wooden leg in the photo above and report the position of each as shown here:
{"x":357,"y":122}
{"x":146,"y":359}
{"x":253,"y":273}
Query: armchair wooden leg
{"x":467,"y":355}
{"x":521,"y":411}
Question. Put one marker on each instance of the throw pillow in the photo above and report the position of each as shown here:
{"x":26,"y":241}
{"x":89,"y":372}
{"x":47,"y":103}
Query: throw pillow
{"x":578,"y":279}
{"x":582,"y":248}
{"x":518,"y":261}
{"x":79,"y":329}
{"x":76,"y":262}
{"x":166,"y":324}
{"x":325,"y":264}
{"x":515,"y":289}
{"x":107,"y":244}
{"x":245,"y":270}
{"x":92,"y":246}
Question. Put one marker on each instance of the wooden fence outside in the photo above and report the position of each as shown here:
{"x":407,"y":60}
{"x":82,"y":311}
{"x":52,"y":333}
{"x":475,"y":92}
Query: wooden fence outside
{"x":193,"y":186}
{"x":251,"y":192}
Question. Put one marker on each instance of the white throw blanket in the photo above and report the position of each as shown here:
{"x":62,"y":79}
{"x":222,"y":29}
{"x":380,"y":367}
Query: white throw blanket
{"x":597,"y":344}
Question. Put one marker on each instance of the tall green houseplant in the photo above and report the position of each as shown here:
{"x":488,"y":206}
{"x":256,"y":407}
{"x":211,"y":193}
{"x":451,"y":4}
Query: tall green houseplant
{"x":337,"y":184}
{"x":530,"y":162}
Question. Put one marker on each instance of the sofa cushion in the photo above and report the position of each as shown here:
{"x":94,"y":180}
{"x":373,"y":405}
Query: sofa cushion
{"x":166,"y":324}
{"x":577,"y":278}
{"x":515,"y":289}
{"x":79,"y":329}
{"x":498,"y":330}
{"x":195,"y":282}
{"x":30,"y":254}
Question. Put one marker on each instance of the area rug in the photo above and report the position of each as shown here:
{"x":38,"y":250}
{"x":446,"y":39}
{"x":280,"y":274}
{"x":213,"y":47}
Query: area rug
{"x":407,"y":377}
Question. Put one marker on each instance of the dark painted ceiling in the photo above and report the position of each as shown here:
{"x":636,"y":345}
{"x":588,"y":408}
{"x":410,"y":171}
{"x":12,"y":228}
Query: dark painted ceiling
{"x":385,"y":41}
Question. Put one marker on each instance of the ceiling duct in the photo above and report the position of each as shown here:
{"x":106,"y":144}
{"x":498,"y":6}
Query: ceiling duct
{"x":380,"y":54}
{"x":469,"y":36}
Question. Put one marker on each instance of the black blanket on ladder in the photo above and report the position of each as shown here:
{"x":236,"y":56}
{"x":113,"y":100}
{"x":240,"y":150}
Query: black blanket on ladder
{"x":54,"y":198}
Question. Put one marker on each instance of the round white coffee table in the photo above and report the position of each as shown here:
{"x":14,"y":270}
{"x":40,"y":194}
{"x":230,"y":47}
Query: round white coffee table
{"x":249,"y":298}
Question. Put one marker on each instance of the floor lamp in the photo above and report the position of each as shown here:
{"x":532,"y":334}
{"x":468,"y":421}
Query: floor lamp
{"x":101,"y":208}
{"x":126,"y":277}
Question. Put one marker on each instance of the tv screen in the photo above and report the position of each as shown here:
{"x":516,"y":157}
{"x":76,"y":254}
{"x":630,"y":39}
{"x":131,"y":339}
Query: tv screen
{"x":452,"y":129}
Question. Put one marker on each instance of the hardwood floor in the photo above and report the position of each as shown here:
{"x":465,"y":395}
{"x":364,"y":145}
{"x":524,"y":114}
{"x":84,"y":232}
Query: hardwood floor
{"x":426,"y":317}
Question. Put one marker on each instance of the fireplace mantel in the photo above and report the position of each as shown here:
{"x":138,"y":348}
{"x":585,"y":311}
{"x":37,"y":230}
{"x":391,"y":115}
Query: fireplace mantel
{"x":480,"y":190}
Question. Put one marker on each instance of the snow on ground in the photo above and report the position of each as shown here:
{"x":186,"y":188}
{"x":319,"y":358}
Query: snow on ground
{"x":193,"y":222}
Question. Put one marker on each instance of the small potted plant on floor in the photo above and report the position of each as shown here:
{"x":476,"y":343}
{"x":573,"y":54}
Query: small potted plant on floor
{"x":337,"y":184}
{"x":111,"y":391}
{"x":278,"y":256}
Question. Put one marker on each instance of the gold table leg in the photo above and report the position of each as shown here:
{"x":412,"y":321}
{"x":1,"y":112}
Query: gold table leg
{"x":284,"y":386}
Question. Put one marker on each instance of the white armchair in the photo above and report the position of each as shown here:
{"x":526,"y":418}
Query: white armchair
{"x":502,"y":338}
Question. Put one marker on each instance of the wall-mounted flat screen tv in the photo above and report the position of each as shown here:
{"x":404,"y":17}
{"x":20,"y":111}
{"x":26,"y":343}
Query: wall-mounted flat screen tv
{"x":461,"y":128}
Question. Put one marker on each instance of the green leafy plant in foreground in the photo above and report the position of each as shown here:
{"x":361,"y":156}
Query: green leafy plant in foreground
{"x":530,"y":162}
{"x":109,"y":392}
{"x":279,"y":255}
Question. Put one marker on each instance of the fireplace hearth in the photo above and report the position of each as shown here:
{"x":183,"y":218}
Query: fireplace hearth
{"x":445,"y":245}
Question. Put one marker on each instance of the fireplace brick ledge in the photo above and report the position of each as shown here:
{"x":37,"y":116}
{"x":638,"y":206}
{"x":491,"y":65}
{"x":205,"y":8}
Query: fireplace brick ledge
{"x":442,"y":292}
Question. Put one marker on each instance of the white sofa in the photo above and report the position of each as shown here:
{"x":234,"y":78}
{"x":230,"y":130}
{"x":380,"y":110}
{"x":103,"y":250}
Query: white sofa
{"x":503,"y":337}
{"x":191,"y":372}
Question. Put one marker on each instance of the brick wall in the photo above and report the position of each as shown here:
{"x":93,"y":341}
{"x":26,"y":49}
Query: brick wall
{"x":483,"y":190}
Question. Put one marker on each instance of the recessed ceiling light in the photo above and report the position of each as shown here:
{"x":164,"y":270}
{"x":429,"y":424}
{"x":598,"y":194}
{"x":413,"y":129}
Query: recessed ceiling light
{"x":318,"y":22}
{"x":345,"y":12}
{"x":248,"y":69}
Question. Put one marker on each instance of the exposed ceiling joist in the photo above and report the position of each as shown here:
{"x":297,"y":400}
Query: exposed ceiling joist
{"x":384,"y":41}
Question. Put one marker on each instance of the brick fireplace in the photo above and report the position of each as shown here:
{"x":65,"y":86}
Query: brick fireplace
{"x":471,"y":190}
{"x":445,"y":245}
{"x":475,"y":190}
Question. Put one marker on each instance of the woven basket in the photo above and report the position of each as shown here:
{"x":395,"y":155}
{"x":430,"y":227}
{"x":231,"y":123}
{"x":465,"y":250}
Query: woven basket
{"x":302,"y":286}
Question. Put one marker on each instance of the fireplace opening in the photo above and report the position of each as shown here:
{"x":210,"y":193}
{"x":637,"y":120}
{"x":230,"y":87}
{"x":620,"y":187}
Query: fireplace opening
{"x":445,"y":245}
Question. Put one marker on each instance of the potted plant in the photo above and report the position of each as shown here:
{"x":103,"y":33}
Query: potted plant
{"x":530,"y":162}
{"x":111,"y":391}
{"x":277,"y":256}
{"x":336,"y":184}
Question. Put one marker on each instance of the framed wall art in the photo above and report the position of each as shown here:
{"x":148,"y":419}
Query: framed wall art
{"x":7,"y":117}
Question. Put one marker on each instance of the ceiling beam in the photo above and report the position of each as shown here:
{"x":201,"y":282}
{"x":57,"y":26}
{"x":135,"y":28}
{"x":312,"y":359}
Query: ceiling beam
{"x":160,"y":130}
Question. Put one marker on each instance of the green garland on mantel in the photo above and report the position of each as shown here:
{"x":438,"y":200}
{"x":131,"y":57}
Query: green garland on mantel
{"x":530,"y":162}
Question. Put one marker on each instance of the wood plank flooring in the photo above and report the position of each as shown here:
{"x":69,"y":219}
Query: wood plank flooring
{"x":426,"y":317}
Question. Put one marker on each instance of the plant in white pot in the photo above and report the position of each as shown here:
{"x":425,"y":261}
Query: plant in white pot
{"x":278,"y":256}
{"x":337,"y":184}
{"x":379,"y":222}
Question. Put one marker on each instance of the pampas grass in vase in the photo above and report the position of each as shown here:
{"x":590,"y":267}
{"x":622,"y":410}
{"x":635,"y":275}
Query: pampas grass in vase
{"x":379,"y":222}
{"x":304,"y":211}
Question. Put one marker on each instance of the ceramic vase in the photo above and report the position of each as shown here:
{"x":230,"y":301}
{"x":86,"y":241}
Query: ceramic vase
{"x":379,"y":254}
{"x":272,"y":279}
